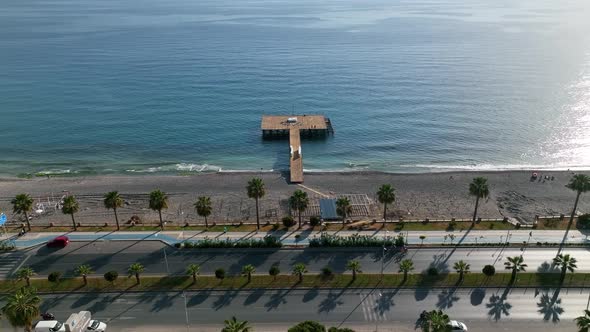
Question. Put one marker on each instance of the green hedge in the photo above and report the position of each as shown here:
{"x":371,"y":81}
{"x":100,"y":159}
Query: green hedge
{"x":266,"y":242}
{"x":327,"y":240}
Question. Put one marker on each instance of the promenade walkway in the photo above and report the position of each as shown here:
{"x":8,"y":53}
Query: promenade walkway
{"x":290,"y":238}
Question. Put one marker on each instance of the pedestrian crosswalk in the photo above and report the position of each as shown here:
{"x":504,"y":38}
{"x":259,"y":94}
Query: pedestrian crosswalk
{"x":375,"y":306}
{"x":9,"y":262}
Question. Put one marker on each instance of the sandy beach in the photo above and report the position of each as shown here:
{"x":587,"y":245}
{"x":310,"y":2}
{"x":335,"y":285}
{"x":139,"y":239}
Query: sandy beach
{"x":419,"y":196}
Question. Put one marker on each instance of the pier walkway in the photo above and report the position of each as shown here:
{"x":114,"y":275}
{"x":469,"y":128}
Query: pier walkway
{"x":295,"y":126}
{"x":296,"y":162}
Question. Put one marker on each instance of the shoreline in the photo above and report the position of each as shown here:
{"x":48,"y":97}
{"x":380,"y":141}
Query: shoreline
{"x":286,"y":171}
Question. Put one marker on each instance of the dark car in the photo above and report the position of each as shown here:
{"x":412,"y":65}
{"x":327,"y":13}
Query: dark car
{"x":59,"y":242}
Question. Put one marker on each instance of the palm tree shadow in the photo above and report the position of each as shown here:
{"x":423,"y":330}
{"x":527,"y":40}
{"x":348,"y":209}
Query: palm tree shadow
{"x":550,"y":306}
{"x":277,"y":299}
{"x":385,"y":301}
{"x":330,"y":303}
{"x":499,"y":306}
{"x":447,"y":298}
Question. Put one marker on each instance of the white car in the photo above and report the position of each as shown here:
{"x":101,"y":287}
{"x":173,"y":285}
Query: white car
{"x":457,"y":326}
{"x":97,"y":326}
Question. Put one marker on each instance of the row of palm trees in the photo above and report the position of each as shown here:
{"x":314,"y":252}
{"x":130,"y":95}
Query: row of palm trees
{"x":515,"y":264}
{"x":299,"y":201}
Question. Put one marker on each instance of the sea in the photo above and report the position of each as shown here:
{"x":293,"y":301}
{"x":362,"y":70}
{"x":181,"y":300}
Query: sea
{"x":93,"y":87}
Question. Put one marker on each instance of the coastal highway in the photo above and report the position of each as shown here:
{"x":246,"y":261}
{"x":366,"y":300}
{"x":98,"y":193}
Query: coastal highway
{"x":158,"y":258}
{"x":364,"y":310}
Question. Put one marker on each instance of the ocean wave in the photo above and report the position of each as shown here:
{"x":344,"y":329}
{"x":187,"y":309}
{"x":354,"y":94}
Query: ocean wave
{"x":56,"y":172}
{"x":491,"y":167}
{"x":181,"y":167}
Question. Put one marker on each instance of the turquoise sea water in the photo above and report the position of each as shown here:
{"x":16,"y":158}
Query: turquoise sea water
{"x":128,"y":86}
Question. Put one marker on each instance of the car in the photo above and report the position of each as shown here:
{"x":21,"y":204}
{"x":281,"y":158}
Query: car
{"x":59,"y":242}
{"x":457,"y":326}
{"x":95,"y":325}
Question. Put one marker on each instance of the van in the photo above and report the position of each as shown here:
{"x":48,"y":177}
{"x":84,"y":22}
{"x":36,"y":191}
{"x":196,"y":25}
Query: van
{"x":50,"y":326}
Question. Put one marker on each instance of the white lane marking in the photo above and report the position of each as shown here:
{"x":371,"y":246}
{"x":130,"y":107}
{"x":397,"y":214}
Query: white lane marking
{"x":22,"y":263}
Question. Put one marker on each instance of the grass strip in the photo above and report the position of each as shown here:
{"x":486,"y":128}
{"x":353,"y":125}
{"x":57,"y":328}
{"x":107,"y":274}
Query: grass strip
{"x":171,"y":283}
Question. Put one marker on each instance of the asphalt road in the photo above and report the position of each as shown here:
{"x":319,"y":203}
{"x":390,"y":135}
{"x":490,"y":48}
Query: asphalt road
{"x":364,"y":310}
{"x":159,"y":258}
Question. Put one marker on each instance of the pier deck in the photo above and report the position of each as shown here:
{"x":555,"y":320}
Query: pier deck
{"x":295,"y":126}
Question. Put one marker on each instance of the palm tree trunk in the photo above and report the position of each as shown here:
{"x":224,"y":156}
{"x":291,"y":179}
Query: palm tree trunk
{"x":257,"y":216}
{"x":194,"y":277}
{"x":343,"y":219}
{"x":161,"y":223}
{"x":28,"y":281}
{"x":569,"y":225}
{"x":301,"y":277}
{"x":513,"y":278}
{"x":74,"y":222}
{"x":476,"y":206}
{"x":299,"y":218}
{"x":28,"y":223}
{"x":137,"y":278}
{"x":117,"y":219}
{"x":353,"y":274}
{"x":384,"y":212}
{"x":206,"y":225}
{"x":249,"y":277}
{"x":85,"y":280}
{"x":405,"y":276}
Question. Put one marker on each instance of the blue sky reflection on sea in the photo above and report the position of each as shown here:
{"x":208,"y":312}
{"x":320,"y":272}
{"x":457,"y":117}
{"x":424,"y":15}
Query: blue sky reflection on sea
{"x":93,"y":87}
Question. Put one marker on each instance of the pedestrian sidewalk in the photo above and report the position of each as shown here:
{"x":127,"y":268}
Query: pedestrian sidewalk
{"x":302,"y":237}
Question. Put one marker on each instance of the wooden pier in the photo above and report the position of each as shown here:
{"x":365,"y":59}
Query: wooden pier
{"x":295,"y":126}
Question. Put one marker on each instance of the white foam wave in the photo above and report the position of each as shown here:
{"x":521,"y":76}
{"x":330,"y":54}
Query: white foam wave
{"x":56,"y":172}
{"x":181,"y":167}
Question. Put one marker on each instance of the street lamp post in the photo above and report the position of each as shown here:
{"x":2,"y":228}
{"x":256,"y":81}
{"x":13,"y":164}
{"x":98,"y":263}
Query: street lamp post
{"x":185,"y":310}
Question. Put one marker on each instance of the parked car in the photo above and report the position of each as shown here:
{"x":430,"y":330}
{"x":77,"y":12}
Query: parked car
{"x":457,"y":326}
{"x":95,"y":325}
{"x":59,"y":242}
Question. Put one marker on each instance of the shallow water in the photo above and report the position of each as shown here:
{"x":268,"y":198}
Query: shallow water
{"x":99,"y":87}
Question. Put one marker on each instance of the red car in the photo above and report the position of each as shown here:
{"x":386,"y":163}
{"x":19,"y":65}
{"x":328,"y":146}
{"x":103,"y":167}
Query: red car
{"x":59,"y":242}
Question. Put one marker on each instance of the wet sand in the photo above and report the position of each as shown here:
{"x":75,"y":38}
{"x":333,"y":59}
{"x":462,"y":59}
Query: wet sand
{"x":419,"y":196}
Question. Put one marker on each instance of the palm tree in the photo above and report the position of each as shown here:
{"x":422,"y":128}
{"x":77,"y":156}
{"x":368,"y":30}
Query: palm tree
{"x":70,"y":206}
{"x":299,"y":269}
{"x":566,"y":262}
{"x":299,"y":202}
{"x":343,"y":208}
{"x":233,"y":325}
{"x":255,"y":190}
{"x":204,"y":209}
{"x":583,"y":322}
{"x":437,"y":321}
{"x":112,"y":200}
{"x":354,"y":266}
{"x":386,"y":195}
{"x":478,"y":188}
{"x":406,"y":266}
{"x":159,"y":201}
{"x":135,"y":269}
{"x":580,"y":183}
{"x":23,"y":204}
{"x":461,"y":267}
{"x":22,"y":308}
{"x":516,"y":264}
{"x":83,"y":271}
{"x":25,"y":274}
{"x":193,"y":270}
{"x":247,"y":270}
